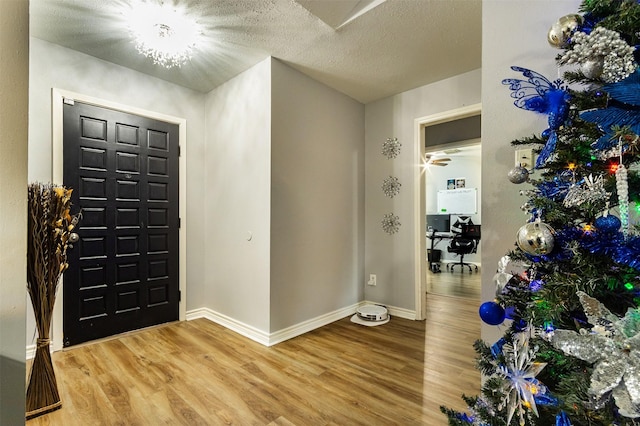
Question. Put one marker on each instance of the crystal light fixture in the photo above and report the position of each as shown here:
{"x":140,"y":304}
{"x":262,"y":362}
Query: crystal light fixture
{"x":163,"y":33}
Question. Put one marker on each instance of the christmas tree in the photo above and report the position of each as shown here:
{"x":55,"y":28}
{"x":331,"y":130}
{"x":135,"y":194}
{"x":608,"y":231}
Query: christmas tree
{"x":570,"y":288}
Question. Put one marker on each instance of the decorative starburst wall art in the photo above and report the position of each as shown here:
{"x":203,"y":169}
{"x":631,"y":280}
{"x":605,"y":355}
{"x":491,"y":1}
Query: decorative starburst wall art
{"x":391,"y":186}
{"x":391,"y":148}
{"x":390,"y":223}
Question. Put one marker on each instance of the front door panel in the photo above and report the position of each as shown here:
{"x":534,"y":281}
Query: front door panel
{"x":123,"y":271}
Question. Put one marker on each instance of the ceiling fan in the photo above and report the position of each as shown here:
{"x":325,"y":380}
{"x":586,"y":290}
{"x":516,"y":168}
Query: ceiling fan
{"x":436,"y":161}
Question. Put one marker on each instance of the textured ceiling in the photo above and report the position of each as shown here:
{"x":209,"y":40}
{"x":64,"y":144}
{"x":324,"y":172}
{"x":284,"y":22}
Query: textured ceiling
{"x":395,"y":46}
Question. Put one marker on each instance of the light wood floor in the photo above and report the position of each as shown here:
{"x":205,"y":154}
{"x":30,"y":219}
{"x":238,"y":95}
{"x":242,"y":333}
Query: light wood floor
{"x":456,"y":284}
{"x":199,"y":373}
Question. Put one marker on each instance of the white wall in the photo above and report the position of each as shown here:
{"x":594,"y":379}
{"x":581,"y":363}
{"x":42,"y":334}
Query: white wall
{"x":317,"y":204}
{"x":14,"y":86}
{"x":53,"y":66}
{"x":465,"y":166}
{"x":237,"y":198}
{"x":507,"y":41}
{"x":391,"y":257}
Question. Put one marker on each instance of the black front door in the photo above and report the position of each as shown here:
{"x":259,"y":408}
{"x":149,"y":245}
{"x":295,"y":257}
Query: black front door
{"x":123,"y":271}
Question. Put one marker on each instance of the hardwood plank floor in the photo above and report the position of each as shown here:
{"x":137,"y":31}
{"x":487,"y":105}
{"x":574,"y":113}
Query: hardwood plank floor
{"x":456,"y":284}
{"x":199,"y":373}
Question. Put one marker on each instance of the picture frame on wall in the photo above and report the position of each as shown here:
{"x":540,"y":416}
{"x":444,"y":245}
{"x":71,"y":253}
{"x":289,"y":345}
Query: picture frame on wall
{"x":451,"y":184}
{"x":460,"y":183}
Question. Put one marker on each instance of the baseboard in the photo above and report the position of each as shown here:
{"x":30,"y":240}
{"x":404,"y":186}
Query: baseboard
{"x":230,"y":323}
{"x":31,"y":350}
{"x":270,"y":339}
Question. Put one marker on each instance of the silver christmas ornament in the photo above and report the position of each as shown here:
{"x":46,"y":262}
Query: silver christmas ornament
{"x":592,"y":68}
{"x":613,"y":347}
{"x":560,"y":33}
{"x":535,"y":238}
{"x":617,"y":56}
{"x":500,"y":280}
{"x":518,"y":175}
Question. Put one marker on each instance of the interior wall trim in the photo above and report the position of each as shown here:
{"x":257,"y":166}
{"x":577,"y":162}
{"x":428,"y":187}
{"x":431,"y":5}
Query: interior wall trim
{"x":270,"y":339}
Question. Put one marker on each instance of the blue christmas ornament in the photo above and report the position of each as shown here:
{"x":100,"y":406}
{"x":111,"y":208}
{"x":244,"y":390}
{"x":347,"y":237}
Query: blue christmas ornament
{"x":510,"y":312}
{"x":609,"y":223}
{"x":536,"y":285}
{"x":541,"y":95}
{"x":465,"y":418}
{"x":562,"y":419}
{"x":496,"y":348}
{"x":491,"y":313}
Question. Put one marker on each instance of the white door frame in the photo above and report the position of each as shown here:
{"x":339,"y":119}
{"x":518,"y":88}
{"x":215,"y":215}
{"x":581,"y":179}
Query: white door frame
{"x":57,"y":96}
{"x":419,"y":209}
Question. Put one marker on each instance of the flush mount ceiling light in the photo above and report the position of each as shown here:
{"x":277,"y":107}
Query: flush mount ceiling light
{"x":163,"y":33}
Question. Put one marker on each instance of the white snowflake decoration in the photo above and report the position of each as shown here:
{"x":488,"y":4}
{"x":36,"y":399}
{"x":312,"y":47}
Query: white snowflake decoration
{"x":390,"y":223}
{"x":391,"y":186}
{"x":391,"y":148}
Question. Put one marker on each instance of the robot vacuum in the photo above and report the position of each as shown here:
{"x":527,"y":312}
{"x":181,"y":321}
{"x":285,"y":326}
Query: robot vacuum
{"x":371,"y":315}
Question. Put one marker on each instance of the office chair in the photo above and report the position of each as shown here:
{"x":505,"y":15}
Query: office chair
{"x":465,"y":243}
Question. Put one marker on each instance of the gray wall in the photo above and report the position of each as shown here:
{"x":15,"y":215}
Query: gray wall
{"x":506,"y":42}
{"x":317,"y":204}
{"x":14,"y":88}
{"x":391,"y":257}
{"x":55,"y":66}
{"x":237,"y":198}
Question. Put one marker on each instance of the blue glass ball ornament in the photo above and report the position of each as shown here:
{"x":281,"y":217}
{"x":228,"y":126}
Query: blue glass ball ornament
{"x":609,"y":223}
{"x":491,"y":313}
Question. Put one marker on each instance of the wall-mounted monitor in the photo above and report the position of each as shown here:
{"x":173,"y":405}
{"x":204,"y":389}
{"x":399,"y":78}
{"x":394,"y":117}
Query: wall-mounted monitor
{"x":438,"y":222}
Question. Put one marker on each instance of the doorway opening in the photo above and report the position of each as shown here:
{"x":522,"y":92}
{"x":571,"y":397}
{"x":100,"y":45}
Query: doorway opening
{"x":433,"y":131}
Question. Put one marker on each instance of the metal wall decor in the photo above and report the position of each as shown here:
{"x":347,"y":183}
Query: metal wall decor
{"x":390,"y":223}
{"x":391,"y":148}
{"x":391,"y":186}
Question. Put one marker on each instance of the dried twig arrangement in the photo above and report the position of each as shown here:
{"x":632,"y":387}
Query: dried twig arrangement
{"x":50,"y":225}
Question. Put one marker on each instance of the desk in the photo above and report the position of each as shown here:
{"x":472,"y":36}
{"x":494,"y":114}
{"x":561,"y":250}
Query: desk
{"x":435,"y":238}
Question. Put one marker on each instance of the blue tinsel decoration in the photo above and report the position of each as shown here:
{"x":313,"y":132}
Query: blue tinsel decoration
{"x":496,"y":348}
{"x":546,"y":399}
{"x":589,"y":23}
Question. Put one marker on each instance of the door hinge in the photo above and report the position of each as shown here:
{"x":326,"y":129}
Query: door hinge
{"x":179,"y":296}
{"x":179,"y":151}
{"x":68,"y":101}
{"x":179,"y":223}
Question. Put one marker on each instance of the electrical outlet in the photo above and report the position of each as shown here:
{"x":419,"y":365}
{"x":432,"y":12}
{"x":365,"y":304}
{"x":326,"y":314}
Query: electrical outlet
{"x":524,"y":158}
{"x":372,"y":279}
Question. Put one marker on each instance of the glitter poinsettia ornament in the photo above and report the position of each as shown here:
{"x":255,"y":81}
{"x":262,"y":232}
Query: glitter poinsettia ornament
{"x":613,"y":346}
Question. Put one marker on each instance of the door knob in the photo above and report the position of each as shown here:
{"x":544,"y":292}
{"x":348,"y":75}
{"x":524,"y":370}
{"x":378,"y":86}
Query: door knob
{"x":73,"y":238}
